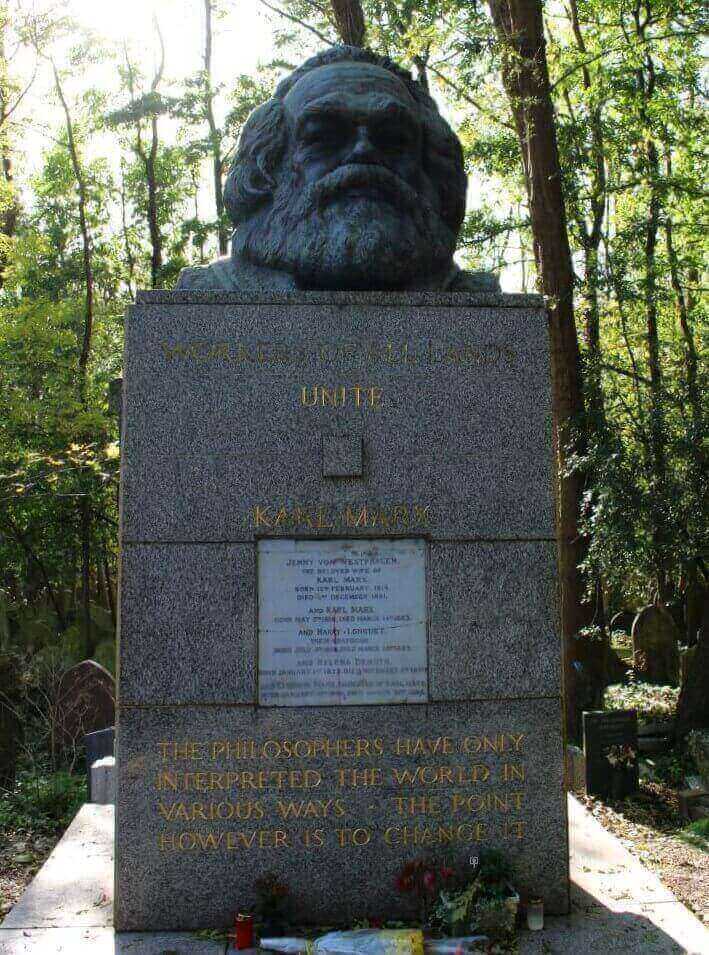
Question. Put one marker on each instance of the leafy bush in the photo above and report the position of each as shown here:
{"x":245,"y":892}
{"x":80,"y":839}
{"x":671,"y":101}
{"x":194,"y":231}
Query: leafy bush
{"x":652,"y":702}
{"x":44,"y":802}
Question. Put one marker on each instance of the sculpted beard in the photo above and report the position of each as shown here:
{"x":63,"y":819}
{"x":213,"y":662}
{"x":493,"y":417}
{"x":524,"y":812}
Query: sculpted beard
{"x":360,"y":226}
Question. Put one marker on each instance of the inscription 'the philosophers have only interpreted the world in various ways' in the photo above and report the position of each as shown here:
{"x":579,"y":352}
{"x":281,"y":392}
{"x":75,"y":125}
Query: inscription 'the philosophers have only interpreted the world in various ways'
{"x":399,"y":792}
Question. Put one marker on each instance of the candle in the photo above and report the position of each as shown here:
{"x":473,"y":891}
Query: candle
{"x":535,"y":915}
{"x":244,"y":931}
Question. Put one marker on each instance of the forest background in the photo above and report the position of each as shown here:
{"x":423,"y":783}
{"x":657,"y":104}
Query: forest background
{"x":584,"y":129}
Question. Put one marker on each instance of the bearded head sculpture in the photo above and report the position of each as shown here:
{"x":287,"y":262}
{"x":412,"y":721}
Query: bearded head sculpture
{"x":348,"y":178}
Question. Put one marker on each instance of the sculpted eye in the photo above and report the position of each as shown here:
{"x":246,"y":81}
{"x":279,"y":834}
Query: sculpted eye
{"x":326,"y":131}
{"x":394,"y":134}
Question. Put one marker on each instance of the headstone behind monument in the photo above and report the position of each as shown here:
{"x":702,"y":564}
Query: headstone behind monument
{"x":655,"y":646}
{"x":85,"y":702}
{"x":334,"y":659}
{"x":98,"y":745}
{"x":623,"y":620}
{"x":103,"y":781}
{"x":605,"y":735}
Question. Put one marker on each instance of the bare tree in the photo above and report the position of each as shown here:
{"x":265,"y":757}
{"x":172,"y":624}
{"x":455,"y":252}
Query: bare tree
{"x":11,"y":96}
{"x":148,"y":153}
{"x":215,"y":136}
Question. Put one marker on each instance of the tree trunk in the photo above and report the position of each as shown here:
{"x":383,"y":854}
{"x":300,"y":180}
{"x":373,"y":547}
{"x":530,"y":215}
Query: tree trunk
{"x":10,"y":724}
{"x":591,"y":235}
{"x":349,"y":21}
{"x":215,"y":139}
{"x":520,"y":31}
{"x":9,"y":213}
{"x":85,"y":533}
{"x":693,"y":703}
{"x":87,"y":251}
{"x":153,"y":223}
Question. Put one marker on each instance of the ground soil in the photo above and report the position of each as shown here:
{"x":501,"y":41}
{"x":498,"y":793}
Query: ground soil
{"x":21,"y":856}
{"x":648,"y":825}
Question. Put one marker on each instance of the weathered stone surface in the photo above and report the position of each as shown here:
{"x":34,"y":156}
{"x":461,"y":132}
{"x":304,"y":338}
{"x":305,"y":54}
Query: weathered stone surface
{"x":103,"y":781}
{"x":148,"y":845}
{"x":97,"y":745}
{"x":493,"y":628}
{"x":342,"y":454}
{"x":342,"y":622}
{"x":187,"y":629}
{"x":656,"y":640}
{"x":698,"y":745}
{"x":463,"y":432}
{"x":74,"y":887}
{"x":602,"y":732}
{"x":85,"y":702}
{"x":229,"y":407}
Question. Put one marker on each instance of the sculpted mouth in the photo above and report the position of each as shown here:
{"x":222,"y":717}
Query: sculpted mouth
{"x":367,"y":192}
{"x":375,"y":183}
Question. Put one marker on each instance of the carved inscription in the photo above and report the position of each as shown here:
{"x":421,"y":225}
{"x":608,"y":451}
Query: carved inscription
{"x":352,"y":354}
{"x":249,"y":795}
{"x":342,"y":622}
{"x":320,"y":517}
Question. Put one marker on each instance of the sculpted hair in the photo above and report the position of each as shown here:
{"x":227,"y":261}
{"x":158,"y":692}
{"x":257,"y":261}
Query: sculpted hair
{"x":254,"y":171}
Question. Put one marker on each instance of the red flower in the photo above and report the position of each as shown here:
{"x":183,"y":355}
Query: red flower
{"x":446,"y":872}
{"x":429,"y":880}
{"x":404,"y":883}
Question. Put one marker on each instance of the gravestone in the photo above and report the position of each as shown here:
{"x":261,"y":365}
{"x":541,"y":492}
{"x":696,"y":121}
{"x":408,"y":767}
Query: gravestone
{"x":338,"y":641}
{"x":622,"y":621}
{"x":607,"y":735}
{"x":85,"y":702}
{"x":98,"y":745}
{"x":656,"y":646}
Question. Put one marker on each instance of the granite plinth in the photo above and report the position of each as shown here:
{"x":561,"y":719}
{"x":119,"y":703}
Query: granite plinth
{"x":338,"y":417}
{"x":452,"y":403}
{"x":188,"y":622}
{"x":187,"y":625}
{"x":339,"y":845}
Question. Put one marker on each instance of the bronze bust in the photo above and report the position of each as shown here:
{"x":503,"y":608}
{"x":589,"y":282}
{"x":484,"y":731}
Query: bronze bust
{"x":348,"y":179}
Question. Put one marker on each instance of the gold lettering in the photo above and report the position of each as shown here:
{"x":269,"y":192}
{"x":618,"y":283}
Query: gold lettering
{"x":354,"y":778}
{"x":261,"y":516}
{"x":512,"y":771}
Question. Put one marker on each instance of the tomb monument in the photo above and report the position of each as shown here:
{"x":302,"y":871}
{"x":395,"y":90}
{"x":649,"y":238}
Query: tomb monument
{"x":339,"y":646}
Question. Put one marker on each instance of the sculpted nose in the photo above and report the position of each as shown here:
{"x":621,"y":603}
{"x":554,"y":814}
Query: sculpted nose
{"x":363,"y":149}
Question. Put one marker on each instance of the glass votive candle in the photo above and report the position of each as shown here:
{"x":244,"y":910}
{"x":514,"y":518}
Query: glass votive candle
{"x":244,"y":931}
{"x":535,"y":915}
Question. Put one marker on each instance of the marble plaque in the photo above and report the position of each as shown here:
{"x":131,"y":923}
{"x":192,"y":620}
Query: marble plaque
{"x":342,"y":622}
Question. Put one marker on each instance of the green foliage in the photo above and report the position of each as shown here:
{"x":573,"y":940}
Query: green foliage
{"x":672,"y":768}
{"x":494,"y":918}
{"x":652,"y":702}
{"x":42,"y":801}
{"x":465,"y":900}
{"x":453,"y":910}
{"x":696,"y":834}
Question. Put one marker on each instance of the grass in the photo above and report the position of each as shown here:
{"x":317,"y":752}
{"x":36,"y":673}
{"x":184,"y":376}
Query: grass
{"x":696,"y":834}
